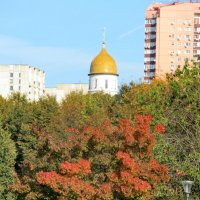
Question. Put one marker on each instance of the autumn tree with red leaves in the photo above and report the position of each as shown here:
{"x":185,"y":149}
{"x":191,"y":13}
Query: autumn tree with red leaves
{"x":109,"y":163}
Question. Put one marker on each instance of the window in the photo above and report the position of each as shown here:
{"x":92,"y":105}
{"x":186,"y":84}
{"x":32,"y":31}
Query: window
{"x":188,"y":21}
{"x":95,"y":84}
{"x":150,"y":29}
{"x":152,"y":44}
{"x":149,"y":67}
{"x":187,"y":44}
{"x":11,"y":88}
{"x":150,"y":59}
{"x":187,"y":29}
{"x":179,"y":44}
{"x":106,"y":84}
{"x":187,"y":51}
{"x":187,"y":36}
{"x":179,"y":59}
{"x":11,"y":81}
{"x":19,"y":74}
{"x":171,"y":68}
{"x":19,"y":87}
{"x":147,"y":36}
{"x":19,"y":81}
{"x":150,"y":21}
{"x":11,"y":74}
{"x":195,"y":52}
{"x":152,"y":51}
{"x":196,"y":44}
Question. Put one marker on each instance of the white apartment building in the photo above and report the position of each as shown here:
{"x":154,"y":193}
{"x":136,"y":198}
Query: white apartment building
{"x":62,"y":90}
{"x":25,"y":79}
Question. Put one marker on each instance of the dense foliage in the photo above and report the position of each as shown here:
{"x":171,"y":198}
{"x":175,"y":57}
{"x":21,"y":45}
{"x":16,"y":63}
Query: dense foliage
{"x":109,"y":163}
{"x":7,"y":162}
{"x":95,"y":141}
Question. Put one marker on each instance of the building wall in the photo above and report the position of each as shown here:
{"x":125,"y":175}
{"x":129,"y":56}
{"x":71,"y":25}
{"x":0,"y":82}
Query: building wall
{"x":176,"y":37}
{"x":25,"y":79}
{"x":62,"y":90}
{"x":103,"y":82}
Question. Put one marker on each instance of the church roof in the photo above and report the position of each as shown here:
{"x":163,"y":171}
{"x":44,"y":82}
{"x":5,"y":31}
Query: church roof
{"x":103,"y":63}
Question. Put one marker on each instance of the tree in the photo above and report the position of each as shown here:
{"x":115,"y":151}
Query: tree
{"x":174,"y":102}
{"x":7,"y":162}
{"x":108,"y":163}
{"x":79,"y":110}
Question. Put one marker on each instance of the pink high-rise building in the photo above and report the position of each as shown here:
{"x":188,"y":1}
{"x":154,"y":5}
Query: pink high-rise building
{"x":172,"y":35}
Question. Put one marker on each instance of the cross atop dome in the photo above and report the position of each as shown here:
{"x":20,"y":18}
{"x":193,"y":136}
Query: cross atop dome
{"x":104,"y":38}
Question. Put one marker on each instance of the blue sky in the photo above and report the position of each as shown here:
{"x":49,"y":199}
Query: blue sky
{"x":63,"y":36}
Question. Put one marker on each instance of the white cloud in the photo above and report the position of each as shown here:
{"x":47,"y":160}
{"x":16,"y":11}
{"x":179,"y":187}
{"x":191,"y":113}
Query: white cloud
{"x":20,"y":50}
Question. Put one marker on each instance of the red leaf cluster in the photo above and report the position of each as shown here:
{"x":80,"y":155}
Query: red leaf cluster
{"x":159,"y":128}
{"x":83,"y":166}
{"x":130,"y":172}
{"x":64,"y":185}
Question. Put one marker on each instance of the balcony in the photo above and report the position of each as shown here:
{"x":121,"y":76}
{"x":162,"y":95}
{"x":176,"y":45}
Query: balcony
{"x":149,"y":70}
{"x":150,"y":55}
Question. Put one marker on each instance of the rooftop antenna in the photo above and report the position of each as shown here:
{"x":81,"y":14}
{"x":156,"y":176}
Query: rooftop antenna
{"x":104,"y":38}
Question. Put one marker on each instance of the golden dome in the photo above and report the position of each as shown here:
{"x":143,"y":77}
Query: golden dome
{"x":103,"y":63}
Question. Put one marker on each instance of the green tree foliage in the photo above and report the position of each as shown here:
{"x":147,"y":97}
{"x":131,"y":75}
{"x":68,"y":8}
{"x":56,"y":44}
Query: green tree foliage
{"x":38,"y":129}
{"x":7,"y":162}
{"x":176,"y":103}
{"x":79,"y":110}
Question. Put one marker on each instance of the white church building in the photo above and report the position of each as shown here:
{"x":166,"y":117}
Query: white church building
{"x":103,"y":74}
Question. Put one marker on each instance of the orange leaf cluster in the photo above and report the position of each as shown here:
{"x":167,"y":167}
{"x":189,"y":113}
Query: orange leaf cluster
{"x":159,"y":128}
{"x":64,"y":185}
{"x":121,"y":162}
{"x":83,"y":166}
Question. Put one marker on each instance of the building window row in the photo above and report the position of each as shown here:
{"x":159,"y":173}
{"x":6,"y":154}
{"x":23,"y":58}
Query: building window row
{"x":196,"y":37}
{"x":149,"y":45}
{"x":197,"y":29}
{"x":188,"y":37}
{"x":150,"y":21}
{"x":149,"y":74}
{"x":150,"y":36}
{"x":149,"y":66}
{"x":150,"y":51}
{"x":180,"y":21}
{"x":172,"y":29}
{"x":12,"y":74}
{"x":196,"y":52}
{"x":151,"y":59}
{"x":150,"y":29}
{"x":196,"y":44}
{"x":187,"y":51}
{"x":96,"y":84}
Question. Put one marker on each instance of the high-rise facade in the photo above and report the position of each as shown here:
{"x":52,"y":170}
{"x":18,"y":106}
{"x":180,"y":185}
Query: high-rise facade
{"x":172,"y":36}
{"x":24,"y":79}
